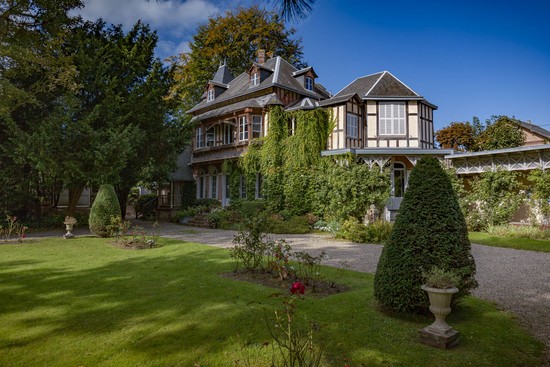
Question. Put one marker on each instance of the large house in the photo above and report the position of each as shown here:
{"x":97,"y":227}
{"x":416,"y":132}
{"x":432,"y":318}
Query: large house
{"x":379,"y":120}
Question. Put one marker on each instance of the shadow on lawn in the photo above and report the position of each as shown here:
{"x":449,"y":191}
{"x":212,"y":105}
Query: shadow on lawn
{"x":167,"y":302}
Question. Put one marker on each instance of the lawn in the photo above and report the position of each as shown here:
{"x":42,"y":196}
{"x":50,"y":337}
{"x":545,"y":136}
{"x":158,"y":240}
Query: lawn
{"x":487,"y":239}
{"x":84,"y":302}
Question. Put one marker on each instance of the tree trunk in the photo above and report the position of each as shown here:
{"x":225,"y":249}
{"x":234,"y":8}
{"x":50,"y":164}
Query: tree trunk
{"x":122,"y":194}
{"x":74,"y":196}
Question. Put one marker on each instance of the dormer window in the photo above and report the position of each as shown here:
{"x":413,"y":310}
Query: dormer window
{"x":210,"y":95}
{"x":309,"y":83}
{"x":255,"y":79}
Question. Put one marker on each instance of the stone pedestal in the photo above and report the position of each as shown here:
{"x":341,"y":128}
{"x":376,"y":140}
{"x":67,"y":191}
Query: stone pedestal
{"x":438,"y":339}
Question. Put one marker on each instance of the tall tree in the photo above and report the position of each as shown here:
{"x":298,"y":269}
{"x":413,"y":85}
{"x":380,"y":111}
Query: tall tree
{"x":115,"y":127}
{"x":501,"y":132}
{"x":457,"y":136}
{"x":233,"y":38}
{"x":32,"y":75}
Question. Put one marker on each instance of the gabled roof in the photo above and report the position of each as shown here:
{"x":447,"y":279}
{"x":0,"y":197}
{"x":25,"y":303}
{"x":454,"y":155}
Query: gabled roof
{"x":534,"y":129}
{"x":303,"y":104}
{"x":223,"y":75}
{"x":382,"y":84}
{"x":303,"y":71}
{"x":339,"y":99}
{"x":281,"y":77}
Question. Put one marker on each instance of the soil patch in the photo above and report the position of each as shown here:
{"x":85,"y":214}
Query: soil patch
{"x":137,"y":244}
{"x":316,"y":288}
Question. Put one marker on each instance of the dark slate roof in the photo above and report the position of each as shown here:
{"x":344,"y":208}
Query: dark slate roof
{"x":304,"y":70}
{"x":338,"y":99}
{"x":535,"y":129}
{"x":303,"y":104}
{"x":216,"y":155}
{"x":223,"y":75}
{"x":258,"y":102}
{"x":281,"y":76}
{"x":382,"y":84}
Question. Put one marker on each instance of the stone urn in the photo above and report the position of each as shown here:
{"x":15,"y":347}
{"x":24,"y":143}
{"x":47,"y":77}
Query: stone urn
{"x":439,"y":334}
{"x":69,"y":224}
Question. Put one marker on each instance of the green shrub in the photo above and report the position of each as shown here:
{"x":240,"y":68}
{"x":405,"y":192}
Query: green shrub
{"x":294,"y":225}
{"x":429,"y":230}
{"x":354,"y":231}
{"x":248,"y":208}
{"x":188,"y":194}
{"x":380,"y":231}
{"x":104,"y":207}
{"x":211,"y":203}
{"x":55,"y":220}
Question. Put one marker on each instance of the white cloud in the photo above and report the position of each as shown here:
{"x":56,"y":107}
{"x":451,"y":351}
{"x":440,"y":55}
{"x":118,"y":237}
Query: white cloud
{"x":174,"y":20}
{"x":174,"y":16}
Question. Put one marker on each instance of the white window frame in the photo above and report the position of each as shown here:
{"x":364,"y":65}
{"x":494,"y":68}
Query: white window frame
{"x":256,"y":126}
{"x":255,"y":78}
{"x":210,"y":95}
{"x":199,"y":142}
{"x":214,"y":186}
{"x":308,"y":83}
{"x":210,"y":136}
{"x":392,"y":118}
{"x":227,"y":134}
{"x":243,"y":128}
{"x":352,"y":125}
{"x":200,"y":187}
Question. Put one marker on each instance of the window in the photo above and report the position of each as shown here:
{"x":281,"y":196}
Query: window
{"x":399,"y":175}
{"x":352,"y":125}
{"x":200,"y":188}
{"x":227,"y":134}
{"x":255,"y":79}
{"x":199,"y":142}
{"x":210,"y":137}
{"x":392,"y":118}
{"x":214,"y":186}
{"x":210,"y":95}
{"x":243,"y":128}
{"x":309,"y":83}
{"x":256,"y":126}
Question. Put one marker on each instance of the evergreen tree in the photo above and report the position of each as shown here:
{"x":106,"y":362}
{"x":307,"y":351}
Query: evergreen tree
{"x":104,"y":207}
{"x":429,"y":230}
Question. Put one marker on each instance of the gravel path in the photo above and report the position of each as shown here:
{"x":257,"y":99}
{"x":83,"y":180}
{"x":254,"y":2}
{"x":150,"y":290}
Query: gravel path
{"x":516,"y":280}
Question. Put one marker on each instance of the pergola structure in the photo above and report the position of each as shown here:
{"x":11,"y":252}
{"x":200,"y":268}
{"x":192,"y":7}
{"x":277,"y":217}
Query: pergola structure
{"x":513,"y":159}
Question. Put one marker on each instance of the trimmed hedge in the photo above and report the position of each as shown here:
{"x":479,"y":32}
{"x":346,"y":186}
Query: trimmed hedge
{"x":104,"y":207}
{"x":429,"y":230}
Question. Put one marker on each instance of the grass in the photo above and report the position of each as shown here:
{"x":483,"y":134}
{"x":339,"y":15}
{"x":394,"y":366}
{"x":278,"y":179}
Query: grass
{"x":85,"y":302}
{"x":487,"y":239}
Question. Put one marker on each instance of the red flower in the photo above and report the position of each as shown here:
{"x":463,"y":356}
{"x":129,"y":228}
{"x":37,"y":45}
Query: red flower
{"x":298,"y":288}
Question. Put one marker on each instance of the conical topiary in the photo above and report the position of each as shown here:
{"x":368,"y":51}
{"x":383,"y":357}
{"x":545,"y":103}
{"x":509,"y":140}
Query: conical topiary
{"x":104,"y":207}
{"x":429,"y":230}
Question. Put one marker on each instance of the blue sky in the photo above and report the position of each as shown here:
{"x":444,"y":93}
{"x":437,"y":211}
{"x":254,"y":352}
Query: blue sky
{"x":470,"y":58}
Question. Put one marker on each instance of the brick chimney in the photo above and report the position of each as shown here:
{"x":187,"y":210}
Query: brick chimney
{"x":261,"y":56}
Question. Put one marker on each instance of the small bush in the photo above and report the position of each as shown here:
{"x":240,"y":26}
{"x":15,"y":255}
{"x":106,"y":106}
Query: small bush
{"x":250,"y":245}
{"x":248,"y":208}
{"x":353,"y":230}
{"x":104,"y":207}
{"x":294,"y":225}
{"x":441,"y":278}
{"x":332,"y":227}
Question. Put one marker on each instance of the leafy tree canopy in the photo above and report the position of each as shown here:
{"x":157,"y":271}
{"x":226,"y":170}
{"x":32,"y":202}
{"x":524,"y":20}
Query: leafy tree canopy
{"x":499,"y":132}
{"x":233,"y":38}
